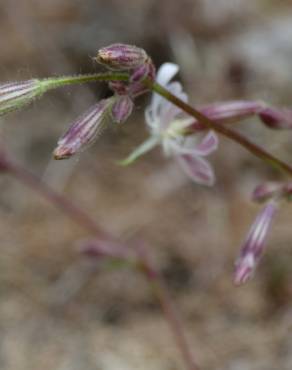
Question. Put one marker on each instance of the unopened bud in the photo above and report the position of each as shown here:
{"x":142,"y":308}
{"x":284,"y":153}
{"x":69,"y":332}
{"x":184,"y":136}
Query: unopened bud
{"x":140,"y":72}
{"x":254,"y":245}
{"x":266,"y":191}
{"x":121,"y":56}
{"x":273,"y":190}
{"x":122,"y":108}
{"x":83,"y":131}
{"x":137,"y":87}
{"x":232,"y":110}
{"x":276,"y":118}
{"x":17,"y":94}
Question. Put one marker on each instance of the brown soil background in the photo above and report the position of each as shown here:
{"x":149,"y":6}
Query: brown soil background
{"x":59,"y":311}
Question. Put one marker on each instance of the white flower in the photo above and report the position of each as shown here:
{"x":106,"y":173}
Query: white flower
{"x":167,"y":123}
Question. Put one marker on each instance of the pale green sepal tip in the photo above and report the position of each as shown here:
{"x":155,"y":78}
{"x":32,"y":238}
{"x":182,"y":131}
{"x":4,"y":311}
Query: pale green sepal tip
{"x":145,"y":147}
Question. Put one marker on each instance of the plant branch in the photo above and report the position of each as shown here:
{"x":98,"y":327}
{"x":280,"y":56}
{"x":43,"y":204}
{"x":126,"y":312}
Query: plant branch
{"x":84,"y":220}
{"x":255,"y":149}
{"x":162,"y":295}
{"x":55,"y":82}
{"x":58,"y":200}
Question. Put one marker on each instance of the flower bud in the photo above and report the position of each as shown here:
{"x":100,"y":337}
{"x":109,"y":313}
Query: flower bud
{"x":15,"y":95}
{"x":266,"y":191}
{"x":232,"y":110}
{"x":140,"y":72}
{"x":83,"y":131}
{"x":122,"y":108}
{"x":276,"y":118}
{"x":121,"y":56}
{"x":254,"y":245}
{"x":137,"y":87}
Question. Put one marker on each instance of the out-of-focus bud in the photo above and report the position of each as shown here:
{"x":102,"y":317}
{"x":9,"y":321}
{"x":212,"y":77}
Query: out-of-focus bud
{"x":254,"y":245}
{"x":100,"y":248}
{"x":276,"y":118}
{"x":122,"y":108}
{"x":121,"y":56}
{"x":232,"y":110}
{"x":273,"y":190}
{"x":84,"y":130}
{"x":17,"y":94}
{"x":266,"y":191}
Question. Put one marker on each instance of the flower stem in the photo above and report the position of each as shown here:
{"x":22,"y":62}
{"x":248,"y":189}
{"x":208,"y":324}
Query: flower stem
{"x":64,"y":204}
{"x":55,"y":82}
{"x":221,"y":129}
{"x":162,"y":295}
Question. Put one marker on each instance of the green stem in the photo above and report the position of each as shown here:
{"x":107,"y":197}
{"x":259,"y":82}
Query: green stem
{"x":55,"y":82}
{"x":223,"y":130}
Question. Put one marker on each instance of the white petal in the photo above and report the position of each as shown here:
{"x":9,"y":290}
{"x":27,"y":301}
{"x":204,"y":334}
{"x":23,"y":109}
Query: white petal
{"x":150,"y":118}
{"x":198,"y":169}
{"x":191,"y":146}
{"x":167,"y":110}
{"x":166,"y":72}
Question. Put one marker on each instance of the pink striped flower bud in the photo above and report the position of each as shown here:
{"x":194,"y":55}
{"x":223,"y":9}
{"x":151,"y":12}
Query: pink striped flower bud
{"x":142,"y":71}
{"x":254,"y":245}
{"x":15,"y":95}
{"x":276,"y":118}
{"x":122,"y":108}
{"x":232,"y":110}
{"x":121,"y":56}
{"x":84,"y":130}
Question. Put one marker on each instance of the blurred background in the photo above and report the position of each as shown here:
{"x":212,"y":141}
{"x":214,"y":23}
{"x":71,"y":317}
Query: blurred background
{"x":60,"y":311}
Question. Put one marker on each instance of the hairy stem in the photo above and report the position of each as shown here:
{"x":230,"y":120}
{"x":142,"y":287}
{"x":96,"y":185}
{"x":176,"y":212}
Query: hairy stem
{"x":55,"y":82}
